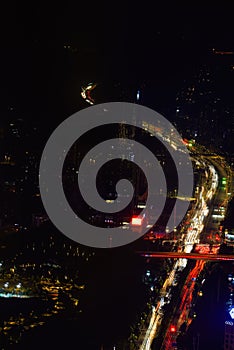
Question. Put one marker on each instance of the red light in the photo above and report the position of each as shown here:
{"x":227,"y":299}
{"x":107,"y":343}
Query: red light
{"x":136,"y":221}
{"x":185,"y":142}
{"x":172,"y":329}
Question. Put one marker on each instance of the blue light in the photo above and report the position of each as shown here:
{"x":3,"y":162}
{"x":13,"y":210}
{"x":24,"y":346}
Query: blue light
{"x":231,"y":313}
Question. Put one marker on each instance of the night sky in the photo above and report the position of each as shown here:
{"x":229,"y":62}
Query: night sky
{"x":131,"y":43}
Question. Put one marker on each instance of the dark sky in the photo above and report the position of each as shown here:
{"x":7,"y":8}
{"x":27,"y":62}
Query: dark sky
{"x":131,"y":42}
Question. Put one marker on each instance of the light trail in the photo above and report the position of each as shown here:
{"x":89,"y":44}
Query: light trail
{"x":185,"y":304}
{"x":190,"y":237}
{"x":183,"y":255}
{"x":85,"y":93}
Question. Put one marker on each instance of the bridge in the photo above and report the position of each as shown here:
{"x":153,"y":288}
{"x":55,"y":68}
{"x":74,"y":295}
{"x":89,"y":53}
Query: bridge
{"x":183,"y":255}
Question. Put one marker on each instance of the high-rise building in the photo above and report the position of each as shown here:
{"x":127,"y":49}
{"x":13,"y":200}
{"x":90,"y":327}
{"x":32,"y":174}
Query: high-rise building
{"x":229,"y":322}
{"x":204,"y":106}
{"x":229,"y":335}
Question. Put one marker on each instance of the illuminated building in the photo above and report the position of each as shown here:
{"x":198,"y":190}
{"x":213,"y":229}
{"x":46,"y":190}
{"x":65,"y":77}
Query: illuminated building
{"x":229,"y":335}
{"x":201,"y":109}
{"x":229,"y":236}
{"x":228,"y":227}
{"x":229,"y":322}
